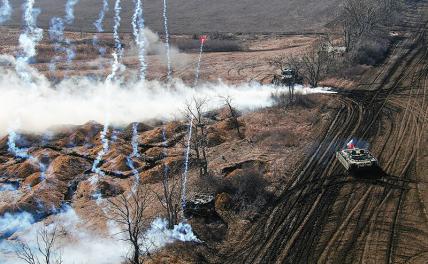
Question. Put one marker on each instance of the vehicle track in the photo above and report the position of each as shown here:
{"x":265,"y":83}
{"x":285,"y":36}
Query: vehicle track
{"x":324,"y":219}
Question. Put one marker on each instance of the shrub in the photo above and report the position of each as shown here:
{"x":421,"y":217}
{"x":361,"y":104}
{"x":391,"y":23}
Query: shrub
{"x":371,"y":52}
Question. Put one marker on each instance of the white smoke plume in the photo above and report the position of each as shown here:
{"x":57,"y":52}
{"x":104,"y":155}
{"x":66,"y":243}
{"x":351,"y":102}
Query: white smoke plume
{"x":5,"y":11}
{"x":81,"y":245}
{"x":167,"y":46}
{"x":118,"y":52}
{"x":139,"y":36}
{"x":28,"y":40}
{"x":153,"y":45}
{"x":77,"y":100}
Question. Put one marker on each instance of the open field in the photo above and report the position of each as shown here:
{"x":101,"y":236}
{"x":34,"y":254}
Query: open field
{"x":195,"y":16}
{"x":309,"y":210}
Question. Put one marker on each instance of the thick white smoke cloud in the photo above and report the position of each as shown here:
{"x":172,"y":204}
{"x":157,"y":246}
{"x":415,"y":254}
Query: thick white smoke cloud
{"x":76,"y":101}
{"x":81,"y":245}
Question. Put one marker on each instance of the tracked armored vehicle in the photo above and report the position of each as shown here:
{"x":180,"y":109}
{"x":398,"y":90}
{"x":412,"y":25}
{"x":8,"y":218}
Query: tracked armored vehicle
{"x":288,"y":77}
{"x":356,"y":159}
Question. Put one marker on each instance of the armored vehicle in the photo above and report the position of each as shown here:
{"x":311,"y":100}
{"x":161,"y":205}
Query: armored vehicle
{"x":354,"y":158}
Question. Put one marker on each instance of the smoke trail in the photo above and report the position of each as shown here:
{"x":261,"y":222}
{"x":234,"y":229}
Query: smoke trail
{"x":186,"y":168}
{"x":99,"y":26}
{"x":118,"y":52}
{"x":129,"y":161}
{"x":100,"y":155}
{"x":138,"y":31}
{"x":5,"y":11}
{"x":69,"y":11}
{"x":99,"y":22}
{"x":198,"y":67}
{"x":166,"y":168}
{"x":23,"y":153}
{"x":56,"y":35}
{"x":168,"y":54}
{"x":28,"y":40}
{"x":102,"y":152}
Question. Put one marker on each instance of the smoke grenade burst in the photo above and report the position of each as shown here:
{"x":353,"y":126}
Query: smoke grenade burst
{"x":186,"y":168}
{"x":138,"y":31}
{"x":118,"y":51}
{"x":28,"y":40}
{"x":167,"y":46}
{"x":5,"y":11}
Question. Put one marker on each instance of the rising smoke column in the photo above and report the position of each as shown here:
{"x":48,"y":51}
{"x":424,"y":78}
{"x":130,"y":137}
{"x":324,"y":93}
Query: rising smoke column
{"x":168,"y":53}
{"x":56,"y":34}
{"x":23,"y":154}
{"x":99,"y":26}
{"x":186,"y":168}
{"x":118,"y":51}
{"x":138,"y":31}
{"x":117,"y":55}
{"x":5,"y":11}
{"x":28,"y":40}
{"x":134,"y":154}
{"x":101,"y":153}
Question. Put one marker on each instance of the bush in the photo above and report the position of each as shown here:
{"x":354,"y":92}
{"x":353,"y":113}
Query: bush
{"x":306,"y":101}
{"x":371,"y":52}
{"x":247,"y":188}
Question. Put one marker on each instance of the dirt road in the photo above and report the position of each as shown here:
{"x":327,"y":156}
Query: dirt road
{"x":324,"y":216}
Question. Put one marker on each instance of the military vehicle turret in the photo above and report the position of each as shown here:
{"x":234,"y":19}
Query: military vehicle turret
{"x":288,"y":77}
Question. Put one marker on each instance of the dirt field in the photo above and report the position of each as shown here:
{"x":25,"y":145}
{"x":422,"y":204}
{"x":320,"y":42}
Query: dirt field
{"x":318,"y":213}
{"x":324,"y":216}
{"x":195,"y":16}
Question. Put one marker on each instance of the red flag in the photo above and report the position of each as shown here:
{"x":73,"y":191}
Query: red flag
{"x":203,"y":38}
{"x":350,"y":144}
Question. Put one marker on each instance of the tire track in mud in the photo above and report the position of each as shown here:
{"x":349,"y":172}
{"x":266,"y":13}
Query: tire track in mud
{"x":293,"y":229}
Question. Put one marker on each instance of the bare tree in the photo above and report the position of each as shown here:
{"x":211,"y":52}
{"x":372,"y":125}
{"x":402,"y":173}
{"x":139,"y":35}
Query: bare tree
{"x":233,"y":115}
{"x":314,"y":63}
{"x":199,"y":138}
{"x":128,"y":211}
{"x":170,"y":196}
{"x":364,"y":18}
{"x":46,"y":248}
